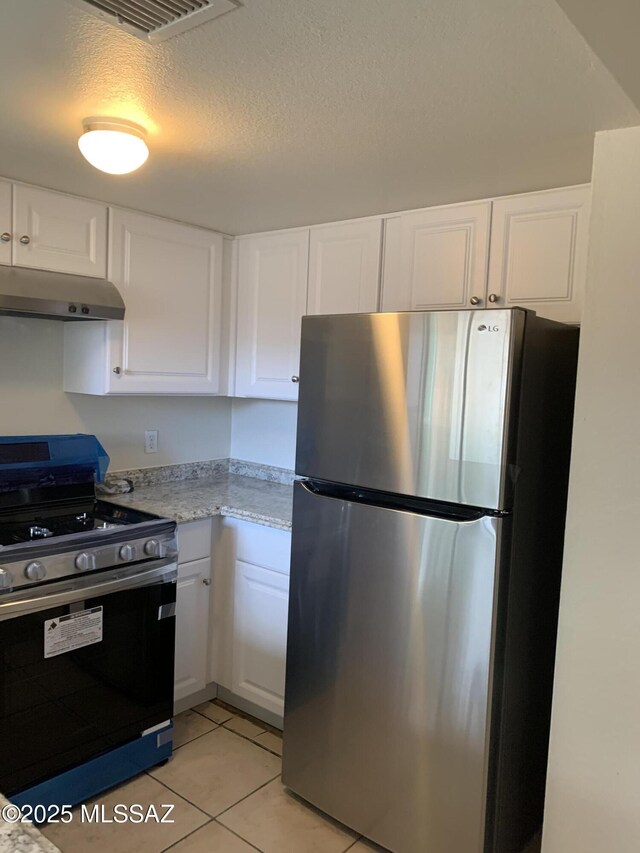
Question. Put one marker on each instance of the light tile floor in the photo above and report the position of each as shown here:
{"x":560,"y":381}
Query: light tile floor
{"x":224,"y":781}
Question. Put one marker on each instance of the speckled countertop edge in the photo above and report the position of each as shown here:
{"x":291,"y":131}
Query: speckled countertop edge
{"x":155,"y":475}
{"x":22,"y":837}
{"x":233,"y":495}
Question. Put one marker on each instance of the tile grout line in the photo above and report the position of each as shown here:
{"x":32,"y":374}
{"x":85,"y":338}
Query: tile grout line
{"x":200,"y":809}
{"x":197,"y":737}
{"x":182,"y":797}
{"x":223,"y":726}
{"x":246,"y":797}
{"x":233,"y":832}
{"x":184,"y":837}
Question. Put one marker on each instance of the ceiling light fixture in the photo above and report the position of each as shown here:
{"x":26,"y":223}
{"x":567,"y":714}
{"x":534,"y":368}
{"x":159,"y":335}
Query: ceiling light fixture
{"x":113,"y":145}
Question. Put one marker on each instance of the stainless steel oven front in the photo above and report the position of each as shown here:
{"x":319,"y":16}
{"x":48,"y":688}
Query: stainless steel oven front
{"x":86,"y":665}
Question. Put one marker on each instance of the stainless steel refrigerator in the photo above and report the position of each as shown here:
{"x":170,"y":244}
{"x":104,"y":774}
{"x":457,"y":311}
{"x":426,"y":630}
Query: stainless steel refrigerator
{"x":433,"y":449}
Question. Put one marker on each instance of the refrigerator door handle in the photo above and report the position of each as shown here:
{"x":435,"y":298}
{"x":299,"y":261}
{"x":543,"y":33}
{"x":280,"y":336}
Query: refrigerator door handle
{"x":404,"y":503}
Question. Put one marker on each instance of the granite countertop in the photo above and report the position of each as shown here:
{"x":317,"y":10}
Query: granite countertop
{"x":234,"y":495}
{"x":22,"y":837}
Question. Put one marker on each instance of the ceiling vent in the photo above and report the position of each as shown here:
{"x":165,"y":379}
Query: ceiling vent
{"x":157,"y":20}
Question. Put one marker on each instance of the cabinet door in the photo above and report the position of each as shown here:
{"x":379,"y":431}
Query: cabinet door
{"x":272,"y":295}
{"x":344,"y":268}
{"x":192,"y":627}
{"x":6,"y":229}
{"x":260,"y":635}
{"x":539,"y":252}
{"x":58,"y":232}
{"x":170,"y":277}
{"x":440,"y":260}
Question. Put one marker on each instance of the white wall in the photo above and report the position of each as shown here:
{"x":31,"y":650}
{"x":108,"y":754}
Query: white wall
{"x":593,"y":785}
{"x":264,"y":431}
{"x":32,"y":401}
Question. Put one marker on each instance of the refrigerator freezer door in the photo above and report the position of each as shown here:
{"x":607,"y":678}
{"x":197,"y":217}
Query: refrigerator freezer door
{"x":388,"y":671}
{"x":416,"y":403}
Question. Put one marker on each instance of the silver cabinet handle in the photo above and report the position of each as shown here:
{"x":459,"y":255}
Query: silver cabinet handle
{"x":475,"y":300}
{"x":295,"y":379}
{"x":117,"y":371}
{"x":493,"y":297}
{"x":206,"y":581}
{"x":25,"y":240}
{"x":6,"y":237}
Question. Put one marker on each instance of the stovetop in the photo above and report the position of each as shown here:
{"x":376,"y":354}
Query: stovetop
{"x":37,"y":523}
{"x":53,"y":541}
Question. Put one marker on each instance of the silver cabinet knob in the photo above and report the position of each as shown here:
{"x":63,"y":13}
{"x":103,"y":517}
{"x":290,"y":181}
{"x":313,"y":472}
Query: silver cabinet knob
{"x":117,"y":371}
{"x":295,"y":379}
{"x":127,"y":553}
{"x":85,"y":562}
{"x":5,"y":237}
{"x":6,"y":579}
{"x":493,"y":297}
{"x":25,"y":240}
{"x":206,"y":581}
{"x":35,"y":571}
{"x":475,"y":300}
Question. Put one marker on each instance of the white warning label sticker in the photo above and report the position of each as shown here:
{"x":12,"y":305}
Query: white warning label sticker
{"x":73,"y":631}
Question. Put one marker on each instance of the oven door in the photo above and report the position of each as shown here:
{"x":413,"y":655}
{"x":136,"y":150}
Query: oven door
{"x":71,"y":689}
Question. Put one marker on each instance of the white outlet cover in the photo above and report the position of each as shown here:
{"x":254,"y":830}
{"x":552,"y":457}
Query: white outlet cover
{"x":151,"y":441}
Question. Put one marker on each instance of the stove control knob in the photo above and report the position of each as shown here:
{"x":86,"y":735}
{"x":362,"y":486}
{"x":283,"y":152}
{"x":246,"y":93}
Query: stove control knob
{"x":35,"y":571}
{"x":85,"y":561}
{"x":6,"y":579}
{"x":127,"y":553}
{"x":153,"y":548}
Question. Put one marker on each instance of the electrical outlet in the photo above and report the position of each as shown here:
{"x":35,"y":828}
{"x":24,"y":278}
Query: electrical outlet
{"x":151,"y":441}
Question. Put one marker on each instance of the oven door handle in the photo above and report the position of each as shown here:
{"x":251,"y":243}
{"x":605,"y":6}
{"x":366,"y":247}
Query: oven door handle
{"x":89,"y":587}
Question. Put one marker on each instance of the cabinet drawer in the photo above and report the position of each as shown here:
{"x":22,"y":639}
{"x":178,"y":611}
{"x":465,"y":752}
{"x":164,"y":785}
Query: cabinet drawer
{"x":194,"y":540}
{"x":263,"y":546}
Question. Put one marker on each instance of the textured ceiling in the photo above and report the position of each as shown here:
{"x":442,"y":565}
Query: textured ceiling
{"x":288,"y":112}
{"x":612,"y":29}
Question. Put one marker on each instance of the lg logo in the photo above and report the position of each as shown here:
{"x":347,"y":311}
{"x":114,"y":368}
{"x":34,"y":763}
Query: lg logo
{"x":484,"y":328}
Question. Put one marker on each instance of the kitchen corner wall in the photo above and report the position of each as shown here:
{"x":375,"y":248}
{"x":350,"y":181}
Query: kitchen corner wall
{"x":264,"y":431}
{"x":32,"y":401}
{"x":593,"y":784}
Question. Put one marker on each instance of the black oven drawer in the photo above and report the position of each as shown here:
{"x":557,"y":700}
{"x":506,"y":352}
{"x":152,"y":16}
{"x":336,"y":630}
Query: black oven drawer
{"x":57,"y":712}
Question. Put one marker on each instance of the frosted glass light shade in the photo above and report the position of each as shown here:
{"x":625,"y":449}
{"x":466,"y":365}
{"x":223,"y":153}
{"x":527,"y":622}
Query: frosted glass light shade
{"x":113,"y":145}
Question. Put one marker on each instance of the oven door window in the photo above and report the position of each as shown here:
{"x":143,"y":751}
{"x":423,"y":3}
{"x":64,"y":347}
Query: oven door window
{"x":57,"y":712}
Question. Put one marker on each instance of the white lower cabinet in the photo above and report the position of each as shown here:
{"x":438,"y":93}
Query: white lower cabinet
{"x":251,"y":593}
{"x":192,"y":608}
{"x":261,"y":601}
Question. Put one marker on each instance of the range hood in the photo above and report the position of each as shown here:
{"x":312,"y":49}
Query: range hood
{"x":39,"y":293}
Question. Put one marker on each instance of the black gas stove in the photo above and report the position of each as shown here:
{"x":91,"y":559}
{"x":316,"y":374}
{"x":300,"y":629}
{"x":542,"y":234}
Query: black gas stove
{"x":87,"y":625}
{"x":53,"y":526}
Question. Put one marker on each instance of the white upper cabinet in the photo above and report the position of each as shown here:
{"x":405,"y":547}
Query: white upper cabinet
{"x":272,"y":296}
{"x":170,"y":277}
{"x":539,"y":252}
{"x":437,"y":258}
{"x":58,"y":232}
{"x":344,"y":268}
{"x":5,"y":222}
